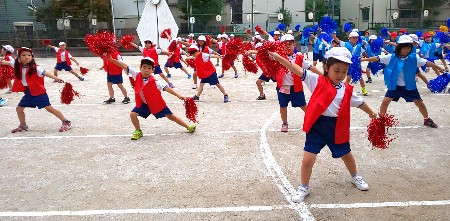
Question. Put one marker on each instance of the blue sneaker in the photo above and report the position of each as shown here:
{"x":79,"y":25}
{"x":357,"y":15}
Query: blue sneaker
{"x":236,"y":75}
{"x":168,"y":75}
{"x":3,"y":101}
{"x":221,"y":76}
{"x":189,"y":76}
{"x":226,"y":99}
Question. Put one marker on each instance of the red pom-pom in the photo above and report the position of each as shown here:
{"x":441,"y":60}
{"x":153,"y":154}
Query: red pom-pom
{"x":132,"y":81}
{"x":223,"y":29}
{"x":249,"y":31}
{"x":46,"y":42}
{"x":191,"y":63}
{"x":101,"y":43}
{"x":259,"y":30}
{"x":226,"y":64}
{"x":378,"y":131}
{"x":167,"y":34}
{"x":249,"y":64}
{"x":126,"y":40}
{"x":272,"y":67}
{"x":191,"y":109}
{"x":68,"y":94}
{"x":6,"y":74}
{"x":208,"y":40}
{"x":173,"y":46}
{"x":84,"y":71}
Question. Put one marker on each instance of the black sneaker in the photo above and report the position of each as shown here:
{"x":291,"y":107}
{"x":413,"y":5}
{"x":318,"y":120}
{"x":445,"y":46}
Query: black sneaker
{"x":448,"y":92}
{"x":369,"y":80}
{"x":81,"y":78}
{"x":126,"y":100}
{"x":429,"y":123}
{"x":261,"y":97}
{"x":109,"y":101}
{"x":196,"y":98}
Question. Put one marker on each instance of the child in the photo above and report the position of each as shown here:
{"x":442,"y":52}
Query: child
{"x":428,"y":50}
{"x":150,"y":50}
{"x":224,"y":52}
{"x":176,"y":61}
{"x":203,"y":48}
{"x":114,"y":76}
{"x":304,"y":42}
{"x":368,"y":53}
{"x":263,"y":77}
{"x":148,"y":96}
{"x":399,"y":76}
{"x":205,"y":71}
{"x":327,"y":118}
{"x":63,"y":58}
{"x":29,"y":78}
{"x":7,"y":54}
{"x":390,"y":45}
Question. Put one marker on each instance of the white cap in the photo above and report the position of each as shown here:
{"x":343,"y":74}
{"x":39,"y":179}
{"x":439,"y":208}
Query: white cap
{"x":287,"y":37}
{"x":276,"y":33}
{"x":289,"y":32}
{"x":8,"y":48}
{"x":372,"y":37}
{"x":340,"y":53}
{"x":201,"y":38}
{"x":219,"y":36}
{"x":193,"y":48}
{"x":191,"y":35}
{"x":405,"y":39}
{"x":353,"y":34}
{"x":61,"y":43}
{"x":257,"y":33}
{"x":148,"y":39}
{"x":224,"y":36}
{"x":414,"y":37}
{"x":258,"y":37}
{"x":232,"y":35}
{"x":148,"y":58}
{"x":355,"y":30}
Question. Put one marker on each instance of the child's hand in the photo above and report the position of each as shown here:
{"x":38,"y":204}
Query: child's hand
{"x":274,"y":56}
{"x":181,"y":97}
{"x":78,"y":64}
{"x":59,"y":80}
{"x":373,"y":115}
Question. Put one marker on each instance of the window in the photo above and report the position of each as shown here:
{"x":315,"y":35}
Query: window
{"x":365,"y":13}
{"x":409,"y":13}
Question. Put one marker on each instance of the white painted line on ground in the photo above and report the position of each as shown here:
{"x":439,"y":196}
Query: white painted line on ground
{"x":382,"y":204}
{"x":277,"y":174}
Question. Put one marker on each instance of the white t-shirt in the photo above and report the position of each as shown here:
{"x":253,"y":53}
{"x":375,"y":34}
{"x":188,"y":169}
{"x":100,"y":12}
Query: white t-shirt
{"x":205,"y":57}
{"x":311,"y":80}
{"x":385,"y":59}
{"x":158,"y":50}
{"x":63,"y":55}
{"x":134,"y":73}
{"x":40,"y":72}
{"x":288,"y":78}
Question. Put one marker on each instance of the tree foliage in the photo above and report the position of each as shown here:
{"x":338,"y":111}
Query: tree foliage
{"x":319,"y":12}
{"x":287,"y":16}
{"x":75,"y":8}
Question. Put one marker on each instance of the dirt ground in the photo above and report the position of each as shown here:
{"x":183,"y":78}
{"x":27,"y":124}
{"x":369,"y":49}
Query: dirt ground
{"x":236,"y":166}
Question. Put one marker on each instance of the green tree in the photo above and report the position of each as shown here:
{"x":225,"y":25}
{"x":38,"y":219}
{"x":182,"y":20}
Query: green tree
{"x":287,"y":16}
{"x":319,"y":12}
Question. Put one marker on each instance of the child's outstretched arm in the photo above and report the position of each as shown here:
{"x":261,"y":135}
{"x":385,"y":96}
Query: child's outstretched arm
{"x":433,"y":65}
{"x":364,"y":107}
{"x":371,"y":59}
{"x":173,"y":92}
{"x":294,"y":68}
{"x":118,"y":63}
{"x":134,"y":45}
{"x":74,"y":60}
{"x":50,"y":75}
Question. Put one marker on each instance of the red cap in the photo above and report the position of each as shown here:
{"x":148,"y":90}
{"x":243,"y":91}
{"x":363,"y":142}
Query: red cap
{"x":403,"y":30}
{"x":426,"y":35}
{"x":20,"y":50}
{"x":393,"y":34}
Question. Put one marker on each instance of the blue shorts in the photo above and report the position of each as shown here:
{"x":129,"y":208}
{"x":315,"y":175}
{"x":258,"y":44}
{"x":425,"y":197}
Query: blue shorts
{"x":321,"y":134}
{"x":438,"y":56}
{"x":176,"y":65}
{"x":29,"y":100}
{"x":211,"y":80}
{"x":267,"y":79}
{"x":318,"y":56}
{"x":401,"y":91}
{"x":219,"y":51}
{"x":63,"y":65}
{"x":157,"y":70}
{"x":297,"y":99}
{"x":144,"y":111}
{"x":115,"y":79}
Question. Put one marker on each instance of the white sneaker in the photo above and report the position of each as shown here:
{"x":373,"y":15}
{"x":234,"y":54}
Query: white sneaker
{"x":194,"y":86}
{"x":300,"y":195}
{"x":359,"y":183}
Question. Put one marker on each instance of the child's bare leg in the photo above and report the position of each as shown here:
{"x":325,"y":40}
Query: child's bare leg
{"x":260,"y":87}
{"x":55,"y":112}
{"x":74,"y":73}
{"x":195,"y":77}
{"x":55,"y":72}
{"x":135,"y":121}
{"x":303,"y":108}
{"x":164,"y":77}
{"x":221,"y":89}
{"x":166,"y":70}
{"x":349,"y":162}
{"x":185,"y":71}
{"x":361,"y":82}
{"x":110,"y":90}
{"x":368,"y":73}
{"x":200,"y":89}
{"x":21,"y":115}
{"x":177,"y":120}
{"x":307,"y":164}
{"x":283,"y":114}
{"x":422,"y":108}
{"x":122,"y":88}
{"x":445,"y":64}
{"x":385,"y":104}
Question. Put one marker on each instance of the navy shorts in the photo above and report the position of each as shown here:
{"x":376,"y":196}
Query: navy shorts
{"x":318,"y":56}
{"x":438,"y":56}
{"x":63,"y":65}
{"x":144,"y":111}
{"x":157,"y":70}
{"x":401,"y":91}
{"x":219,"y":51}
{"x":321,"y":134}
{"x":174,"y":65}
{"x":267,"y":79}
{"x":115,"y":79}
{"x":211,"y":80}
{"x":29,"y":100}
{"x":297,"y":99}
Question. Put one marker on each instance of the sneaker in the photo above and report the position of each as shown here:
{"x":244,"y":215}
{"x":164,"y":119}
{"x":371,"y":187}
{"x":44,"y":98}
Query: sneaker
{"x":81,"y":78}
{"x":137,"y":134}
{"x":448,"y":91}
{"x":446,"y":69}
{"x":364,"y":92}
{"x":359,"y":183}
{"x":369,"y":80}
{"x":226,"y":99}
{"x":66,"y":125}
{"x":429,"y":123}
{"x":284,"y":127}
{"x":171,"y":85}
{"x":9,"y":91}
{"x":126,"y":100}
{"x":221,"y":76}
{"x":300,"y":194}
{"x":109,"y":101}
{"x":196,"y":98}
{"x":168,"y":75}
{"x":236,"y":75}
{"x":194,"y":86}
{"x":20,"y":128}
{"x":55,"y":81}
{"x":217,"y":64}
{"x":189,"y":76}
{"x":3,"y":101}
{"x":261,"y":97}
{"x":191,"y":128}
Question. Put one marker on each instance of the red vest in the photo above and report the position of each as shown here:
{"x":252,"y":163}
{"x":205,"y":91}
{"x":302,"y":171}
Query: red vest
{"x":321,"y":98}
{"x":66,"y":54}
{"x":35,"y":84}
{"x":204,"y":69}
{"x":7,"y":69}
{"x":110,"y":67}
{"x":191,"y":41}
{"x":151,"y":93}
{"x":151,"y":53}
{"x":298,"y":85}
{"x":176,"y":55}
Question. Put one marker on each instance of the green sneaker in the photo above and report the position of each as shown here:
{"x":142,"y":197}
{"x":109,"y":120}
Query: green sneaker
{"x":137,"y":134}
{"x":191,"y":128}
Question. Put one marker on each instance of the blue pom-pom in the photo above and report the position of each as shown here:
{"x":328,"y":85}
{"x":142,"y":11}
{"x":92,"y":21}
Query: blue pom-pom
{"x":314,"y":28}
{"x":419,"y":33}
{"x":325,"y":37}
{"x":375,"y":67}
{"x":272,"y":33}
{"x":442,"y":37}
{"x":355,"y":69}
{"x":448,"y":22}
{"x":328,"y":25}
{"x":384,"y":32}
{"x":306,"y":32}
{"x":439,"y":84}
{"x":360,"y":41}
{"x":297,"y":27}
{"x":347,"y":27}
{"x":376,"y":45}
{"x":281,"y":27}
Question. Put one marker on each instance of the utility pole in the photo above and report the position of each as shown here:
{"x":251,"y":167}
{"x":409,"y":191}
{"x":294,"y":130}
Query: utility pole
{"x":421,"y":14}
{"x":253,"y":18}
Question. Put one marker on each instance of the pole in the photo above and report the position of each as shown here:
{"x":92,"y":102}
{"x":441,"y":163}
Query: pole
{"x":421,"y":14}
{"x":253,"y":18}
{"x":34,"y":21}
{"x":137,"y":8}
{"x":314,"y":11}
{"x":189,"y":16}
{"x":113,"y":17}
